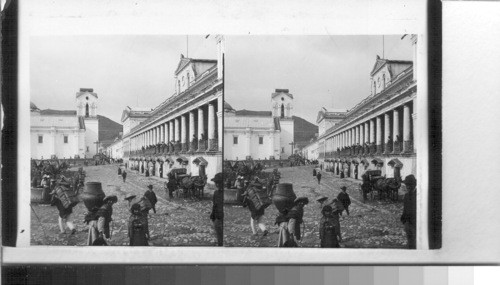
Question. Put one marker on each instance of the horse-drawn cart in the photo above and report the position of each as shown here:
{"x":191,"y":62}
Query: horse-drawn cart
{"x":184,"y":185}
{"x":373,"y":181}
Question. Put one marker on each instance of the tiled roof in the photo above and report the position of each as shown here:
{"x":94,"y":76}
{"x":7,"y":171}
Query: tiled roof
{"x":50,"y":112}
{"x":253,"y":113}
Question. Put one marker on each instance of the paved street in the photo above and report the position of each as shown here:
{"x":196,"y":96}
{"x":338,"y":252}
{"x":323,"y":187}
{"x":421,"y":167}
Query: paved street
{"x":373,"y":224}
{"x":176,"y":223}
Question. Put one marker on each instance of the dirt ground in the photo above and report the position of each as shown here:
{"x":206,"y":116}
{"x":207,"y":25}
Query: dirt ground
{"x":178,"y":222}
{"x":373,"y":224}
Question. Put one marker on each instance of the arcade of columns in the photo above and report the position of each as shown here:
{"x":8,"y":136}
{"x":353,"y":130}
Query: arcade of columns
{"x":176,"y":132}
{"x":375,"y":136}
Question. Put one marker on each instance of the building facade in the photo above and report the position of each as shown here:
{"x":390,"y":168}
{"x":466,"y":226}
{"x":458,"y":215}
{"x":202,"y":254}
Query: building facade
{"x":185,"y":131}
{"x":66,"y":133}
{"x":260,"y":134}
{"x":378,"y":133}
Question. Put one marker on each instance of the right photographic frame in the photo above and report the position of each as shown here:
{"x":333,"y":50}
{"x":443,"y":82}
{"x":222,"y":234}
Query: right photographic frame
{"x":321,"y":142}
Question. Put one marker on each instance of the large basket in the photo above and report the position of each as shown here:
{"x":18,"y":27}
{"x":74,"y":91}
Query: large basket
{"x":284,"y":197}
{"x":259,"y":197}
{"x":68,"y":198}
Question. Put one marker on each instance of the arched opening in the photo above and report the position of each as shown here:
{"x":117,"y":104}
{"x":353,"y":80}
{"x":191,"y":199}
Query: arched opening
{"x":87,"y":110}
{"x":282,"y":110}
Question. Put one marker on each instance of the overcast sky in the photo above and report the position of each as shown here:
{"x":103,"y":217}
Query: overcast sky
{"x":320,"y":71}
{"x":123,"y":70}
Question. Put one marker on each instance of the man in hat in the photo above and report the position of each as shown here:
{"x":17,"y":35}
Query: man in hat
{"x":409,"y":216}
{"x":217,"y":215}
{"x":151,"y":196}
{"x":344,"y":198}
{"x":256,"y":215}
{"x":124,"y":176}
{"x":295,"y":216}
{"x":99,"y":227}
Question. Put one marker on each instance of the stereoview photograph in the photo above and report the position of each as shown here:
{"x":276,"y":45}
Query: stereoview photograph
{"x":126,"y":140}
{"x":319,"y":141}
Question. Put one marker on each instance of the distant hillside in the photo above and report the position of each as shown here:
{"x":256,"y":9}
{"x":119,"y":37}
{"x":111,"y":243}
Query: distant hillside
{"x":303,"y":130}
{"x":108,"y":129}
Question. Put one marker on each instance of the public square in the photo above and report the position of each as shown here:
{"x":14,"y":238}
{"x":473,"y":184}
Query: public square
{"x":373,"y":224}
{"x":177,"y":222}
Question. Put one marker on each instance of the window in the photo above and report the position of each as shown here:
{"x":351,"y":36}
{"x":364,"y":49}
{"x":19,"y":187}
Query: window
{"x":87,"y":110}
{"x":40,"y":139}
{"x":261,"y":140}
{"x":282,"y":110}
{"x":65,"y":139}
{"x":282,"y":150}
{"x":87,"y":149}
{"x":235,"y":140}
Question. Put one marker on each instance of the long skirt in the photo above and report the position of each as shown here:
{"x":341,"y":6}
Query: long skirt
{"x":93,"y":232}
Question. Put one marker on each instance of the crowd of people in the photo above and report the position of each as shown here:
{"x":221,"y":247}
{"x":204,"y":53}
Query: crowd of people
{"x":99,"y":218}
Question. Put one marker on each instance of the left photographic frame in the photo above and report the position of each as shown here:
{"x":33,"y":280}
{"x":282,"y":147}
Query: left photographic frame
{"x":125,"y":140}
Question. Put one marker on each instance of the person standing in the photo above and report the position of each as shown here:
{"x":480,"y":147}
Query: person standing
{"x":65,"y":215}
{"x":124,"y":176}
{"x":318,"y":176}
{"x":217,"y":214}
{"x":151,"y":196}
{"x":256,"y":215}
{"x":329,"y":228}
{"x":409,"y":216}
{"x":344,"y":198}
{"x":295,"y":216}
{"x":99,"y":222}
{"x":138,"y":229}
{"x":284,"y":239}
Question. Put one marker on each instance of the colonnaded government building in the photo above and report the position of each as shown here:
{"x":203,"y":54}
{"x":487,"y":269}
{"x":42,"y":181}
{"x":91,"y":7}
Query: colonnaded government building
{"x":377,"y":133}
{"x":184,"y":131}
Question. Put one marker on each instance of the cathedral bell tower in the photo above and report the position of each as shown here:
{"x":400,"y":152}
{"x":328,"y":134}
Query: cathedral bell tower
{"x":282,"y":104}
{"x":86,"y":109}
{"x":282,"y":110}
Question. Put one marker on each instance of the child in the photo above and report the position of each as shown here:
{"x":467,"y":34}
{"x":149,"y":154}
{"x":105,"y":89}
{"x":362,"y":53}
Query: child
{"x":343,"y":197}
{"x":138,"y":231}
{"x":329,"y":228}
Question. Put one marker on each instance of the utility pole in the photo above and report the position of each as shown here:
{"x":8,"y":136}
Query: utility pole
{"x":292,"y":144}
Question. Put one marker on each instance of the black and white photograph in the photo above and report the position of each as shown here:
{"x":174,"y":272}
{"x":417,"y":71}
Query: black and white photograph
{"x":126,"y":140}
{"x":319,"y":141}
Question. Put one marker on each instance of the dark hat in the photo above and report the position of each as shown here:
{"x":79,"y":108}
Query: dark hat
{"x":135,"y":207}
{"x":301,"y":199}
{"x":410,"y":180}
{"x":218,"y":178}
{"x":110,"y":197}
{"x":150,"y":187}
{"x":326,"y":208}
{"x":130,"y":197}
{"x":343,"y":187}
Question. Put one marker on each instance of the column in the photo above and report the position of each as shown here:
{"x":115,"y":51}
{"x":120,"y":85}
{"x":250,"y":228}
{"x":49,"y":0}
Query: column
{"x":372,"y":131}
{"x":379,"y":134}
{"x":176,"y":129}
{"x":367,"y":132}
{"x":211,"y":121}
{"x":171,"y":131}
{"x":414,"y":125}
{"x":356,"y":135}
{"x":406,"y":127}
{"x":387,"y":133}
{"x":200,"y":123}
{"x":220,"y":116}
{"x":395,"y":131}
{"x":361,"y":134}
{"x":183,"y":129}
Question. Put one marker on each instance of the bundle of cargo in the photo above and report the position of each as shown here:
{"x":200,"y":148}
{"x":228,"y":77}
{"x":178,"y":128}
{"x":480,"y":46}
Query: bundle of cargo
{"x":258,"y":196}
{"x":283,"y":197}
{"x":68,"y":198}
{"x":93,"y":195}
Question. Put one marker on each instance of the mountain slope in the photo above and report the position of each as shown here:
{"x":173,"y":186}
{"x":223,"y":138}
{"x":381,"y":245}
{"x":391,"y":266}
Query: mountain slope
{"x":108,"y":129}
{"x":303,"y":130}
